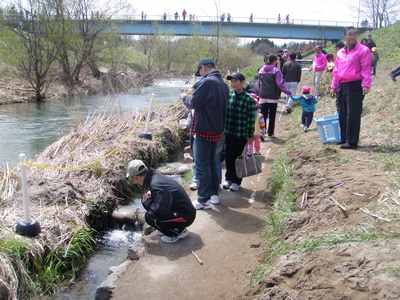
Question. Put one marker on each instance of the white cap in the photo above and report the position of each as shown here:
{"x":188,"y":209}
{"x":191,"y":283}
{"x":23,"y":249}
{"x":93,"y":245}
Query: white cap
{"x":135,"y":168}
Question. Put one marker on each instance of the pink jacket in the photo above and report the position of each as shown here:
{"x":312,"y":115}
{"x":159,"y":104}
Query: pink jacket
{"x":352,"y":65}
{"x":319,"y":62}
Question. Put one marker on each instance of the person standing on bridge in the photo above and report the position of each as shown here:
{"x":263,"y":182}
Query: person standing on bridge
{"x":318,"y":67}
{"x":269,"y":87}
{"x":251,"y":18}
{"x":209,"y":102}
{"x":229,"y":18}
{"x":176,"y":16}
{"x":168,"y":207}
{"x":184,"y":14}
{"x":351,"y":81}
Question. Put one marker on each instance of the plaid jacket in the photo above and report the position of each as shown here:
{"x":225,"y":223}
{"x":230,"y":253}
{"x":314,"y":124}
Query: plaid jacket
{"x":240,"y":115}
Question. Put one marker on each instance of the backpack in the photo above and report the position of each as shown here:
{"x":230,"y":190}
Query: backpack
{"x":267,"y":87}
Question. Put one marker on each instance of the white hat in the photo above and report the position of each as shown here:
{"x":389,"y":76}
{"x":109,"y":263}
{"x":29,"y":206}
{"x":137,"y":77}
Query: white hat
{"x":135,"y":168}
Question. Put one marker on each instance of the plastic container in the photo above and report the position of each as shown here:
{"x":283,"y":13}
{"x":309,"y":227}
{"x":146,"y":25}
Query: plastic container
{"x":329,"y":129}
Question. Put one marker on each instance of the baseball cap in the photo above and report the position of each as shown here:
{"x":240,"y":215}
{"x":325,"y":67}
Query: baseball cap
{"x":204,"y":62}
{"x":236,"y":76}
{"x":135,"y":168}
{"x":306,"y":90}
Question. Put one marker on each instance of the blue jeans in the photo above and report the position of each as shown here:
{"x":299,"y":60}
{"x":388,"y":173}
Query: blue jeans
{"x":205,"y":154}
{"x":218,"y":160}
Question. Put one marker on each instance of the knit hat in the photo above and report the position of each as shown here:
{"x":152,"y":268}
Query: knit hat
{"x":306,"y":90}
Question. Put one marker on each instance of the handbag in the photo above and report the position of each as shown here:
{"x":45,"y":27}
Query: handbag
{"x":248,"y":165}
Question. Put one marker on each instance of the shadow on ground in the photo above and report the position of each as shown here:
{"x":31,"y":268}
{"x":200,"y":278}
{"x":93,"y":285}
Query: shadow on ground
{"x":173,"y":251}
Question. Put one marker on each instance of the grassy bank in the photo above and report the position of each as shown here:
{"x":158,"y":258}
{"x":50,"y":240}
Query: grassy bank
{"x":334,"y":209}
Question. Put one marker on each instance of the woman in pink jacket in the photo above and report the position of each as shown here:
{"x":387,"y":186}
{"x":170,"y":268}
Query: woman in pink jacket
{"x":318,"y":67}
{"x":351,"y":81}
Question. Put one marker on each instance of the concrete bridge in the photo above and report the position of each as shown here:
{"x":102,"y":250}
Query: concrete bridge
{"x":296,"y":29}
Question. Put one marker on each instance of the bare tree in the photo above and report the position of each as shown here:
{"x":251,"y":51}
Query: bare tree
{"x":380,"y":13}
{"x":36,"y":38}
{"x":81,"y":25}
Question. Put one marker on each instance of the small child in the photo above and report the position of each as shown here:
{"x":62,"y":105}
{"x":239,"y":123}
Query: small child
{"x":254,"y":144}
{"x":308,"y":104}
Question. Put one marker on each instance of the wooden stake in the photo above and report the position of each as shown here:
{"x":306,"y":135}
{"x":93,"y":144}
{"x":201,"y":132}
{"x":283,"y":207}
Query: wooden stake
{"x":367,"y":212}
{"x":197,"y":258}
{"x":342,"y":208}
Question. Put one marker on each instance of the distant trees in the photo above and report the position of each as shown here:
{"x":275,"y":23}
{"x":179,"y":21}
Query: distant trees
{"x":380,"y":13}
{"x":164,"y":53}
{"x":36,"y":34}
{"x":31,"y":38}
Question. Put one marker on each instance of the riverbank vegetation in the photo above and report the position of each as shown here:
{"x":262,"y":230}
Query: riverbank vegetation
{"x":75,"y":185}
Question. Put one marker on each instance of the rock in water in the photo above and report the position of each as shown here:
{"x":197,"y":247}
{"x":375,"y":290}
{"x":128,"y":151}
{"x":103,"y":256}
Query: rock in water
{"x":125,"y":214}
{"x":105,"y":290}
{"x":175,"y":168}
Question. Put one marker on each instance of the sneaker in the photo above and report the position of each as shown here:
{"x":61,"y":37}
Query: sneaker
{"x":201,"y":206}
{"x":302,"y":126}
{"x":235,"y":187}
{"x":174,"y":239}
{"x":215,"y":200}
{"x":193,"y":186}
{"x":226,"y":185}
{"x":305,"y":128}
{"x":392,"y":77}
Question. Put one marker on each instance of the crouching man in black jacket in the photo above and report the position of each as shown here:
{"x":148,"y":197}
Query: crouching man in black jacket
{"x":168,"y":207}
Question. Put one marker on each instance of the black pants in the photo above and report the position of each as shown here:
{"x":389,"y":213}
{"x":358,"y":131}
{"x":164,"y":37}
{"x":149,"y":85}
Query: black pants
{"x":306,"y":118}
{"x":234,"y":148}
{"x":269,"y":112}
{"x":396,"y":72}
{"x":349,"y":105}
{"x":172,"y":227}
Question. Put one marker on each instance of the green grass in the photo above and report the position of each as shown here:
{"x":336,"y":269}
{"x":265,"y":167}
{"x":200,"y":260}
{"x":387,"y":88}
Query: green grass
{"x":393,"y":271}
{"x":41,"y":274}
{"x":282,"y":188}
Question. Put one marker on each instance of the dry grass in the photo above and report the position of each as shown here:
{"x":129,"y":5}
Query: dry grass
{"x":72,"y":177}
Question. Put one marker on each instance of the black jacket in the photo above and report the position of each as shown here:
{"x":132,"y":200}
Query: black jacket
{"x":292,"y":71}
{"x":268,"y":89}
{"x":168,"y":199}
{"x":209,"y":103}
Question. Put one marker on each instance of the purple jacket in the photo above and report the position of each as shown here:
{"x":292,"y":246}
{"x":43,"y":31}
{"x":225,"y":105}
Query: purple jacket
{"x":271,"y":69}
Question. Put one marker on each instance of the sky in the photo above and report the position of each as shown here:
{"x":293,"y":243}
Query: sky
{"x":334,"y":10}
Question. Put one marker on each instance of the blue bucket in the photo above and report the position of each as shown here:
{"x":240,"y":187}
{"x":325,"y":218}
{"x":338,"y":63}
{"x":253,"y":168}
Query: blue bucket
{"x":329,"y":129}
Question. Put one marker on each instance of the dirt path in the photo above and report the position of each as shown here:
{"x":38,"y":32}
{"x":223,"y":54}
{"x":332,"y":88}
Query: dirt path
{"x":228,"y":240}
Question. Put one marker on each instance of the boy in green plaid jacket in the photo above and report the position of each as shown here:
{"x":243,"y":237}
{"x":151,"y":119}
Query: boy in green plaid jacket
{"x":239,"y":128}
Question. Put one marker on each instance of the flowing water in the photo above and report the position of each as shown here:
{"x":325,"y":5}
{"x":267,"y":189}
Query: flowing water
{"x":112,"y":251}
{"x":31,"y":127}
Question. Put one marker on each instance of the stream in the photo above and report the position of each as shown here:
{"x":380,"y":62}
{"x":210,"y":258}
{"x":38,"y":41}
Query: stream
{"x":31,"y":127}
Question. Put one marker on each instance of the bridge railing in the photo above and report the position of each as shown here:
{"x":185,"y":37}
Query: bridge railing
{"x":233,"y":19}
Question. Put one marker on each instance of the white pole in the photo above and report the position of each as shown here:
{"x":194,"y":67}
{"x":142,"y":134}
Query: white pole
{"x":146,"y":130}
{"x":24,"y":187}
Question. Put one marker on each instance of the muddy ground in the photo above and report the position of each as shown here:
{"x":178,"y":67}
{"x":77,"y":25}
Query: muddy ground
{"x":342,"y":241}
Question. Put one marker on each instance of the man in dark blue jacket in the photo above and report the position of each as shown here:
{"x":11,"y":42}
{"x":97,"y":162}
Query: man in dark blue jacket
{"x":168,"y":207}
{"x":209,"y":103}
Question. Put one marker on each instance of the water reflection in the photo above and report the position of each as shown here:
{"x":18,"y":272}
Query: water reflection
{"x":31,"y":127}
